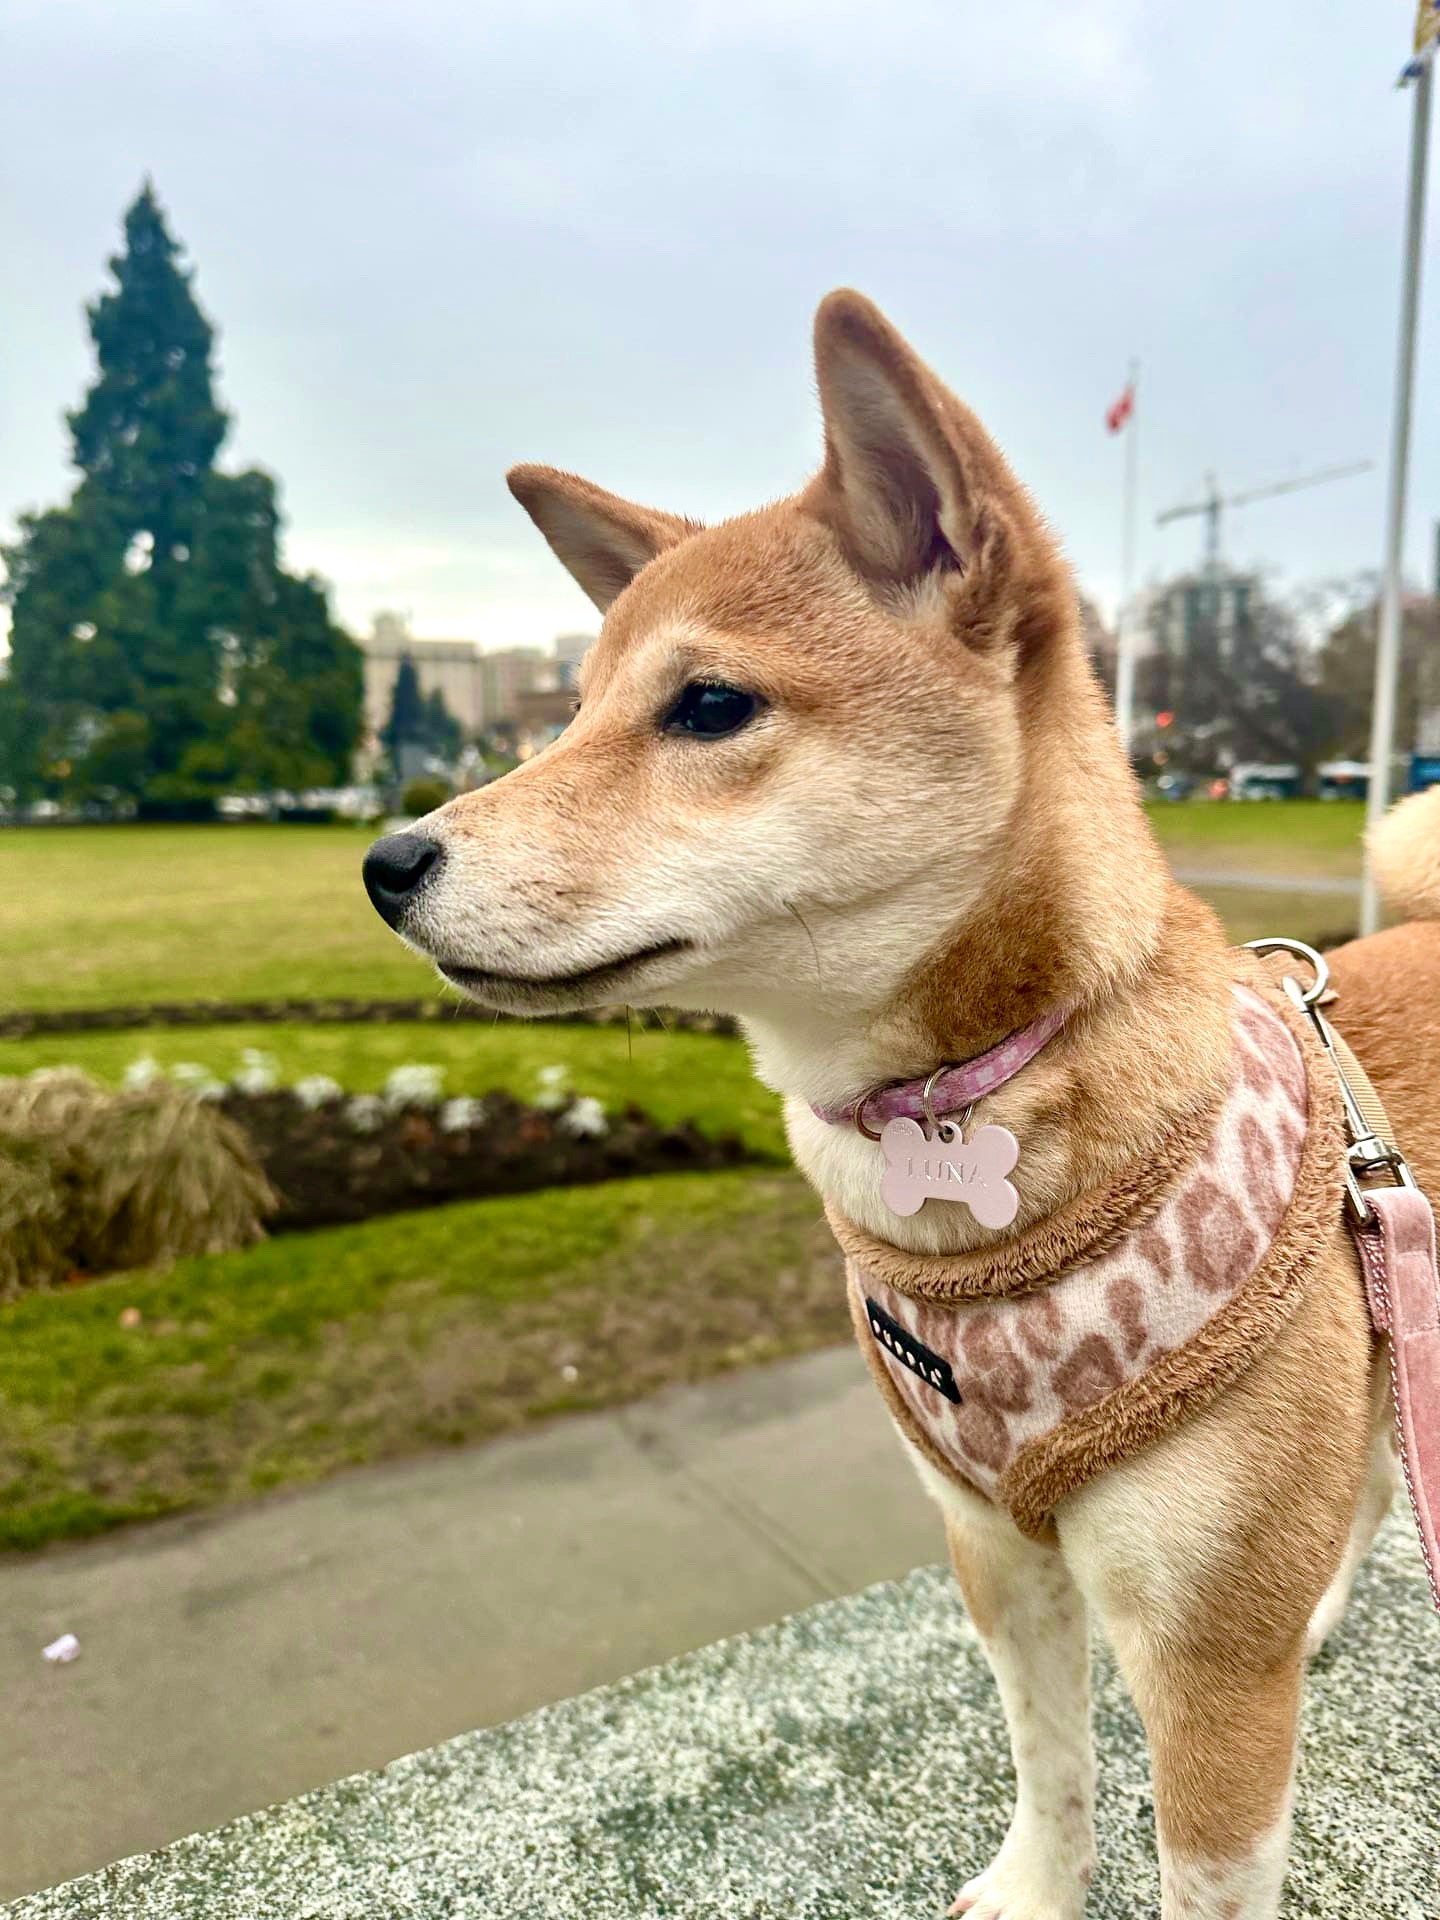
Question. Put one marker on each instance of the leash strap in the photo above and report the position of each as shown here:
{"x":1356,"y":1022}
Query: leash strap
{"x":1397,"y":1254}
{"x":1394,"y":1232}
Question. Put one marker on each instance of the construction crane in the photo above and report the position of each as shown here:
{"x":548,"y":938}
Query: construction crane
{"x":1214,"y":503}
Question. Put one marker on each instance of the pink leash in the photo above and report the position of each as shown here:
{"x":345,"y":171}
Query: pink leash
{"x":1394,"y":1229}
{"x":1397,"y":1253}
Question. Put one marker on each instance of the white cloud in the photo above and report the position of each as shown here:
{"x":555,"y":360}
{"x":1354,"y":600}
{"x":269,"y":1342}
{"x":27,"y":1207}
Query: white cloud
{"x":442,"y":238}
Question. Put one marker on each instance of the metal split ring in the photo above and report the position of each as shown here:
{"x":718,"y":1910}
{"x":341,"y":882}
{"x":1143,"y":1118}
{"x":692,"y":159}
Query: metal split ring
{"x":858,"y":1116}
{"x":1312,"y":995}
{"x":932,"y":1119}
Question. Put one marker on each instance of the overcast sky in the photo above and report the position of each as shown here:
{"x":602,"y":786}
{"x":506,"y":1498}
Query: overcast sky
{"x":441,"y":237}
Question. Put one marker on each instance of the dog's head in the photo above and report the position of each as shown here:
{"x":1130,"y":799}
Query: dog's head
{"x":800,"y":736}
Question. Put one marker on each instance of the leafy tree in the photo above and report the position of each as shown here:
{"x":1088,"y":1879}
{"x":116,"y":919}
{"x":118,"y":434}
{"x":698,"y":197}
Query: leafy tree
{"x":1347,"y":670}
{"x":159,"y":650}
{"x":418,"y":719}
{"x":406,"y":723}
{"x":1252,"y":693}
{"x":442,"y":730}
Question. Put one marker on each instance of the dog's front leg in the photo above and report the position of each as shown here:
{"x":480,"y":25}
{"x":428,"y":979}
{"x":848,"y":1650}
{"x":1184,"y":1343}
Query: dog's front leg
{"x":1033,"y":1624}
{"x":1196,"y":1568}
{"x":1222,"y":1738}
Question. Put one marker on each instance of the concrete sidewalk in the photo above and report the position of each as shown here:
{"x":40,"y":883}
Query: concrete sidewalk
{"x":846,"y":1764}
{"x":1341,"y":885}
{"x":231,"y":1662}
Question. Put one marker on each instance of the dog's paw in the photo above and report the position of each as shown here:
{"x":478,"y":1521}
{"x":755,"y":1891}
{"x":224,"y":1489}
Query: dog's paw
{"x":1025,"y":1884}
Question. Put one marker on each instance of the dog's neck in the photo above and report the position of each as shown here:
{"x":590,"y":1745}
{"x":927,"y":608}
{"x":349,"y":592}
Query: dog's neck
{"x":1080,"y":911}
{"x":1151,"y":1046}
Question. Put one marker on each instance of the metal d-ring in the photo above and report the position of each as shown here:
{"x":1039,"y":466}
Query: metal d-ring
{"x":858,"y":1116}
{"x":1313,"y":993}
{"x":932,"y":1119}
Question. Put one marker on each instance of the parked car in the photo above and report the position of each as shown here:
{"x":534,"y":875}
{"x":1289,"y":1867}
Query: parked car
{"x":1255,"y":780}
{"x":1344,"y":780}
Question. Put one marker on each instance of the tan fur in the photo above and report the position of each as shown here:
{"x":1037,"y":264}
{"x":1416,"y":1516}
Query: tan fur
{"x":1404,"y":851}
{"x":1209,"y":1620}
{"x":1388,"y":1008}
{"x":927,"y":835}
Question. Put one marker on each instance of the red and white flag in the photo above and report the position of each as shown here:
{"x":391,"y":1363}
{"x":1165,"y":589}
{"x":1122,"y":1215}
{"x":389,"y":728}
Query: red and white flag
{"x":1117,"y":414}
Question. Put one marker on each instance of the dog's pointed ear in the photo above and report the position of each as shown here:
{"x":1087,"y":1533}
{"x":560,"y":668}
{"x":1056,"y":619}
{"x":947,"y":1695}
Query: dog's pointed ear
{"x":912,"y":484}
{"x":601,"y":539}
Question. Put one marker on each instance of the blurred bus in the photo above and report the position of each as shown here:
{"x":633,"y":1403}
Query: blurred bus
{"x":1256,"y":780}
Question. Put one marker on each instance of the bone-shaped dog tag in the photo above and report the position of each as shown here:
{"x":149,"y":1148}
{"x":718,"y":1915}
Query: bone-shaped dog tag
{"x":950,"y":1167}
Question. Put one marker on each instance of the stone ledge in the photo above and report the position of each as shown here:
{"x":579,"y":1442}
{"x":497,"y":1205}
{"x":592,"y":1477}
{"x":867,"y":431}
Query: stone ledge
{"x":847,"y":1764}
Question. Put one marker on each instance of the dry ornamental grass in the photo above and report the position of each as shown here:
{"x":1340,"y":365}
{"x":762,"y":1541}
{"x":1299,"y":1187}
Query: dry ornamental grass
{"x":92,"y":1181}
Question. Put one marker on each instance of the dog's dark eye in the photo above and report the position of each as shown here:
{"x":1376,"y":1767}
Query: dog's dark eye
{"x":710,"y":709}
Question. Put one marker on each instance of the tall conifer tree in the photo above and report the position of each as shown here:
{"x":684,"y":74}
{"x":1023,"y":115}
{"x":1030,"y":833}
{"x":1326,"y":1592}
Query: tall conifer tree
{"x":159,"y":651}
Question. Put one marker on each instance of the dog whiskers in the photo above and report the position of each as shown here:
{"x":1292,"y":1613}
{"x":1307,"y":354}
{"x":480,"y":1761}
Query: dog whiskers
{"x":790,"y":907}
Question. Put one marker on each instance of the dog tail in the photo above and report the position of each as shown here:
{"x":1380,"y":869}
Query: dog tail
{"x":1404,"y":850}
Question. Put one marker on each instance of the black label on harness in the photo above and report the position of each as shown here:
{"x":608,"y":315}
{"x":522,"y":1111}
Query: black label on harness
{"x":912,"y":1353}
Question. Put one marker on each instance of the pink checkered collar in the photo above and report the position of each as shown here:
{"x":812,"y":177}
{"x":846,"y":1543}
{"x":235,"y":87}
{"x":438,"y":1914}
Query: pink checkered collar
{"x":956,"y":1087}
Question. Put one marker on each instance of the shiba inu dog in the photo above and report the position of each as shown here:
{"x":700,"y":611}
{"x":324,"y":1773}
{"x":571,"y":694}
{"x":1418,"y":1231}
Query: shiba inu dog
{"x":840,"y":768}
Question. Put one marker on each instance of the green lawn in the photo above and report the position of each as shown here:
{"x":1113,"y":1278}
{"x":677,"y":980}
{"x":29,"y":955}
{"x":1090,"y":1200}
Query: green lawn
{"x":1322,"y":919}
{"x":1310,"y":837}
{"x":314,"y":1352}
{"x":702,"y":1077}
{"x":97,"y":916}
{"x":320,"y":1351}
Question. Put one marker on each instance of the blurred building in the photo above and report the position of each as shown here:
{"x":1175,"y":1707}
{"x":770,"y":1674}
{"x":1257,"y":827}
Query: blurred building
{"x":522,"y":691}
{"x":1202,"y":612}
{"x":570,"y":650}
{"x":509,"y":674}
{"x":453,"y":667}
{"x":541,"y":714}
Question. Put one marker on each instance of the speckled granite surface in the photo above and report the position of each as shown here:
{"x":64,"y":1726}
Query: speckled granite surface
{"x":848,"y":1764}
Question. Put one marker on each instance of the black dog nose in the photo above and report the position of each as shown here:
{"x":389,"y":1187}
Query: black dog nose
{"x":393,"y":870}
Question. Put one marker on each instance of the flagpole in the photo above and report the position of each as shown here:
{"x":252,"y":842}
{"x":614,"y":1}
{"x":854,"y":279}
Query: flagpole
{"x":1124,"y":635}
{"x":1387,"y":652}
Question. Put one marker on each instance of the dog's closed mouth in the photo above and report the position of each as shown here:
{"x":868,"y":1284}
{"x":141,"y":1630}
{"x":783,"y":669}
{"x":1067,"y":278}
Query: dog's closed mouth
{"x":477,"y":979}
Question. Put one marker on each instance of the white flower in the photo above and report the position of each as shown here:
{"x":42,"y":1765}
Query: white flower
{"x":414,"y":1086}
{"x":258,"y":1072}
{"x":141,"y":1072}
{"x":554,"y":1087}
{"x":456,"y":1116}
{"x":316,"y":1089}
{"x":586,"y":1118}
{"x":197,"y":1080}
{"x":365,"y":1112}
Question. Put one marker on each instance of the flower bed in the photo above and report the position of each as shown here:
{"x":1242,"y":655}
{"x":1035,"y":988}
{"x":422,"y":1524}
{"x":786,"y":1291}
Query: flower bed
{"x":23,"y":1025}
{"x":333,"y":1158}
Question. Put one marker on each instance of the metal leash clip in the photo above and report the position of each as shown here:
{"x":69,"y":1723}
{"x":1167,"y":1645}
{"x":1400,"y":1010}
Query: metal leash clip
{"x":1366,"y":1154}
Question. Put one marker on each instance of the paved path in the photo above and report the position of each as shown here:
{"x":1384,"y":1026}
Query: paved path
{"x":235,"y":1661}
{"x":848,"y":1764}
{"x":1249,"y":882}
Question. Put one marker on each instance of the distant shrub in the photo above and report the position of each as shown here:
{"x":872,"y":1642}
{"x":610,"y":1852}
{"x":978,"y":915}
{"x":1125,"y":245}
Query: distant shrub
{"x":423,"y":796}
{"x":95,"y":1182}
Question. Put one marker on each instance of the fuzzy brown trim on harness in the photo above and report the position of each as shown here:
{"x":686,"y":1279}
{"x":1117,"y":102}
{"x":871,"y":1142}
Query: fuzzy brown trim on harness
{"x":1080,"y":1231}
{"x":1174,"y":1384}
{"x":1190,"y":1378}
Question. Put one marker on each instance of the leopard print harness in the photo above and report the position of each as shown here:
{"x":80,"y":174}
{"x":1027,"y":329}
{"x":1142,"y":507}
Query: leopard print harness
{"x":1023,"y":1394}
